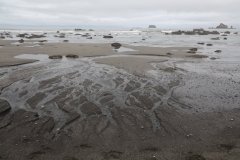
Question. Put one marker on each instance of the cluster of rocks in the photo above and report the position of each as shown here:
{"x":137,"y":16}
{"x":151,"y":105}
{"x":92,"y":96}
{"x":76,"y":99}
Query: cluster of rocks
{"x":218,"y":38}
{"x":195,"y":32}
{"x":31,"y":36}
{"x":202,"y":43}
{"x":4,"y":35}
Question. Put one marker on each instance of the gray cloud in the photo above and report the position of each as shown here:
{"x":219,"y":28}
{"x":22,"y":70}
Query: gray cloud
{"x":124,"y":12}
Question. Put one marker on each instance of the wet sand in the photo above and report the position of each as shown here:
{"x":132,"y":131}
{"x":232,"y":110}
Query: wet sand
{"x":139,"y":105}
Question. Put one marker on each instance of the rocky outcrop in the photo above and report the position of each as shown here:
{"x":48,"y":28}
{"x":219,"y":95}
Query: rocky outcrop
{"x":222,"y":26}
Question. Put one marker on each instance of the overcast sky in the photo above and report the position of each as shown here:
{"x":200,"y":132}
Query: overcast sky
{"x":128,"y":13}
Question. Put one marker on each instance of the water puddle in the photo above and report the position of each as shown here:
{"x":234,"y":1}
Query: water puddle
{"x":125,"y":49}
{"x":40,"y":57}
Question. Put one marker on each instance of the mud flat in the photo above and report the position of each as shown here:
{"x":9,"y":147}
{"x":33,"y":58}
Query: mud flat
{"x":137,"y":105}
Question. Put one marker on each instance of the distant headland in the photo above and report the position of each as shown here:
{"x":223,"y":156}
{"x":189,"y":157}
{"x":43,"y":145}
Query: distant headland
{"x":222,"y":26}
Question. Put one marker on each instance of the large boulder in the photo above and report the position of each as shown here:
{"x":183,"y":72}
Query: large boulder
{"x":4,"y":106}
{"x":116,"y":45}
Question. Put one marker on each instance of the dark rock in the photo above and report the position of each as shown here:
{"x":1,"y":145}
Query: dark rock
{"x":209,"y":44}
{"x":193,"y":49}
{"x":189,"y":33}
{"x":222,"y":26}
{"x":72,"y":56}
{"x":89,"y":37}
{"x":225,"y":38}
{"x":107,"y":36}
{"x":192,"y":52}
{"x":224,"y":35}
{"x":42,"y":41}
{"x":213,"y":58}
{"x":213,"y":32}
{"x":21,"y":41}
{"x":152,"y":26}
{"x":218,"y":51}
{"x":177,"y":32}
{"x":85,"y":35}
{"x":217,"y":38}
{"x":201,"y":43}
{"x":227,"y":32}
{"x":4,"y":106}
{"x":58,"y":31}
{"x":65,"y":40}
{"x":23,"y":35}
{"x":116,"y":45}
{"x":169,"y":54}
{"x":55,"y":57}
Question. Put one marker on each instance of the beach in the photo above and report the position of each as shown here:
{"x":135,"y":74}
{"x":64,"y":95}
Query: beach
{"x":157,"y":97}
